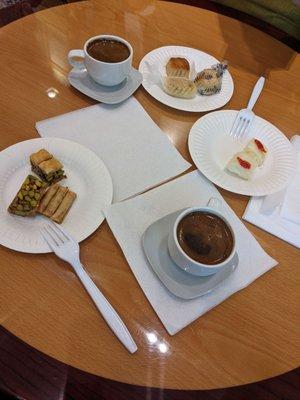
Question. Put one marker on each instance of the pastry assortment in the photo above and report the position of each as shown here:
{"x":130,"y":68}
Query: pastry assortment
{"x":43,"y":195}
{"x":181,"y":82}
{"x":244,"y":163}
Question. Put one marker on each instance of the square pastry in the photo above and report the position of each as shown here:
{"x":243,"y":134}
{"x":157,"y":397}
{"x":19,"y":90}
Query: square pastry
{"x":46,"y":166}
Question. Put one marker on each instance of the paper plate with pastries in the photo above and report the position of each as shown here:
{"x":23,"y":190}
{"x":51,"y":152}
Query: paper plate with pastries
{"x":186,"y":79}
{"x":55,"y":177}
{"x":258,"y":165}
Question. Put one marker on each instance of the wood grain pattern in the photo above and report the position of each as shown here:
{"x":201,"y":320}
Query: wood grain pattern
{"x":251,"y":336}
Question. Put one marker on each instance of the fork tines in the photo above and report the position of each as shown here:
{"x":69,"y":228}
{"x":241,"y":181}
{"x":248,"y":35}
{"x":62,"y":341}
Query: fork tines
{"x":240,"y":127}
{"x":54,"y":235}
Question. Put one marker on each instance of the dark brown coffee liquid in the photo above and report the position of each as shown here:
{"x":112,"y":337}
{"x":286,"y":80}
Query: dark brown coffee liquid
{"x":205,"y":237}
{"x":108,"y":50}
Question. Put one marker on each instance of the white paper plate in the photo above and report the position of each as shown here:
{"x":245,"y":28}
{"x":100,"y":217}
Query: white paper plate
{"x":86,"y":175}
{"x":159,"y":57}
{"x":211,"y":148}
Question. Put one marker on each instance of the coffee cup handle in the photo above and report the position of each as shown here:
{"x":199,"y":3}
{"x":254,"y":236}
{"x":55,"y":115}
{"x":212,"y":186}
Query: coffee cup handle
{"x":215,"y":203}
{"x":78,"y":54}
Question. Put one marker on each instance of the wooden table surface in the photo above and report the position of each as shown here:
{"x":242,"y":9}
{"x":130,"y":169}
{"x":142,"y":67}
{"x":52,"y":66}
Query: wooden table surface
{"x":251,"y":336}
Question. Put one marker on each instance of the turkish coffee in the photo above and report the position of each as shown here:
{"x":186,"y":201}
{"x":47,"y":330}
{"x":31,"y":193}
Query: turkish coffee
{"x":205,"y":237}
{"x":108,"y":50}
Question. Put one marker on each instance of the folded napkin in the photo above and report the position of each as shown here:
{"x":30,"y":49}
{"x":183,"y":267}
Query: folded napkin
{"x":291,"y":203}
{"x":136,"y":152}
{"x":279,"y":213}
{"x":128,"y":221}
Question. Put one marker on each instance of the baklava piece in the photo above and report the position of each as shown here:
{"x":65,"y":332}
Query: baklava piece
{"x":28,"y":197}
{"x":46,"y":166}
{"x":64,"y":207}
{"x":56,"y":203}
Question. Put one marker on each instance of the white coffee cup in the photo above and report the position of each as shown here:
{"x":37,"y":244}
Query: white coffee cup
{"x":104,"y":73}
{"x":182,"y":259}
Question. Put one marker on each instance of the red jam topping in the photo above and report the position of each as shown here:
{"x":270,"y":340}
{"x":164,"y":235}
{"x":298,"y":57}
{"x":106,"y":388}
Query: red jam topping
{"x":244,"y":164}
{"x":259,"y":145}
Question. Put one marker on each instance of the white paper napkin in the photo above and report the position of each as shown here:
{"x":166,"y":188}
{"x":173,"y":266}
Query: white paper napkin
{"x":128,"y":221}
{"x":291,"y":203}
{"x":136,"y":152}
{"x":279,"y":213}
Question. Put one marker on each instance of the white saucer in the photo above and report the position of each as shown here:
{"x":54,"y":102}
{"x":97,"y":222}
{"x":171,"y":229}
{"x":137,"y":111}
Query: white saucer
{"x":81,"y":80}
{"x":178,"y":282}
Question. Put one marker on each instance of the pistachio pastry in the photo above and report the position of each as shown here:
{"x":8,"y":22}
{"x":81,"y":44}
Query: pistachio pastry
{"x":28,"y":197}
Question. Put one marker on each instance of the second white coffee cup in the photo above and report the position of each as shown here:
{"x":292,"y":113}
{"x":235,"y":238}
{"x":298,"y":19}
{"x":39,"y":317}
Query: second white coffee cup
{"x":104,"y":73}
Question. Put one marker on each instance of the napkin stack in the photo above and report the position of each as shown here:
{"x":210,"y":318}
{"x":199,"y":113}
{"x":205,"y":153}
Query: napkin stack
{"x":129,"y":219}
{"x":136,"y":152}
{"x":279,"y":213}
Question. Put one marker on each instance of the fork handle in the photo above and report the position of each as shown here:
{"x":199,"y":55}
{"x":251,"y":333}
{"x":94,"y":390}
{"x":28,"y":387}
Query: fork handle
{"x":256,"y":92}
{"x":106,"y":309}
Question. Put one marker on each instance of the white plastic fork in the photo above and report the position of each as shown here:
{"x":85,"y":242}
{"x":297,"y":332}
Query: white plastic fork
{"x":66,"y":248}
{"x":246,"y":116}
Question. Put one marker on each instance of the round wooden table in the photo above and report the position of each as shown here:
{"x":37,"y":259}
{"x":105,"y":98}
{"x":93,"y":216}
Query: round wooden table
{"x":251,"y":336}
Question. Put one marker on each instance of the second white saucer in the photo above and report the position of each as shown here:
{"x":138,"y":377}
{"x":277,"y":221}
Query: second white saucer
{"x":81,"y":80}
{"x":178,"y":282}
